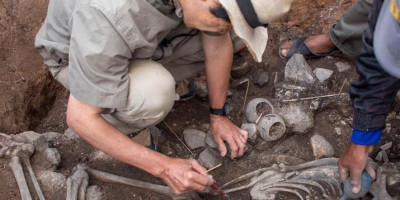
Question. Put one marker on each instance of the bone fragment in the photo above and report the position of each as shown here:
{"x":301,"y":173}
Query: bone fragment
{"x":285,"y":190}
{"x":287,"y":185}
{"x":378,"y":188}
{"x":249,"y":175}
{"x":111,"y":178}
{"x":311,"y":183}
{"x":16,"y":167}
{"x":33,"y":178}
{"x":315,"y":163}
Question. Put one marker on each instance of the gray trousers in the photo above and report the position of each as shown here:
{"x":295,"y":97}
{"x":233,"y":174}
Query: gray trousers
{"x":346,"y":34}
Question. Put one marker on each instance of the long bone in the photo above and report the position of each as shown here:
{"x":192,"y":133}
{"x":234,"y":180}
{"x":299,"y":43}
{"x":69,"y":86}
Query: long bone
{"x":111,"y":178}
{"x":16,"y":168}
{"x":24,"y":151}
{"x":378,"y":188}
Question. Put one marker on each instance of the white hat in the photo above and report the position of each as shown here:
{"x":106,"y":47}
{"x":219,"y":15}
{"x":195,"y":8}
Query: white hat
{"x":249,"y":16}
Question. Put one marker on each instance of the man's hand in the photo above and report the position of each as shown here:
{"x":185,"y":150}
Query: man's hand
{"x":224,"y":130}
{"x":355,"y":161}
{"x":186,"y":175}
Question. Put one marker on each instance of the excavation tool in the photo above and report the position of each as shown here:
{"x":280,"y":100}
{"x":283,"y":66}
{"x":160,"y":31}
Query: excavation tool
{"x":216,"y":188}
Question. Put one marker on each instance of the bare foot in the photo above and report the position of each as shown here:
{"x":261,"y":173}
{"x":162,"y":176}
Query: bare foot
{"x":317,"y":44}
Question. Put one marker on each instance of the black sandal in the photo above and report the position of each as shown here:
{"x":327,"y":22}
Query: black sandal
{"x":298,"y":46}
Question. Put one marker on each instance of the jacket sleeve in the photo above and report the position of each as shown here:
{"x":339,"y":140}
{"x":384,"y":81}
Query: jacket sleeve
{"x":374,"y":93}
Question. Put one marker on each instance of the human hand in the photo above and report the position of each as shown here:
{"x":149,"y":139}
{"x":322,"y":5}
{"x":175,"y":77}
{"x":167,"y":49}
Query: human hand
{"x":224,"y":130}
{"x":354,"y":161}
{"x":184,"y":176}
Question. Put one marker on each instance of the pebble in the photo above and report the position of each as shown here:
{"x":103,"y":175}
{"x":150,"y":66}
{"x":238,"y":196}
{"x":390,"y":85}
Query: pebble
{"x":386,"y":146}
{"x":385,"y":157}
{"x":209,"y":158}
{"x":194,"y":138}
{"x":379,"y":157}
{"x":100,"y":157}
{"x":323,"y":74}
{"x":338,"y":131}
{"x":297,"y":70}
{"x":342,"y":66}
{"x":321,"y":147}
{"x":201,"y":89}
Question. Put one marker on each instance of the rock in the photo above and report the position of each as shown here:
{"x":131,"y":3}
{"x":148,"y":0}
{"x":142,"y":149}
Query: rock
{"x":323,"y":74}
{"x":385,"y":157}
{"x":251,"y":130}
{"x":209,"y":158}
{"x":297,"y":116}
{"x":321,"y":147}
{"x":194,"y":138}
{"x":386,"y":146}
{"x":70,"y":134}
{"x":52,"y":182}
{"x":298,"y":71}
{"x":241,"y":70}
{"x":94,"y":192}
{"x":342,"y":66}
{"x":338,"y":131}
{"x":379,"y":157}
{"x":314,"y":105}
{"x":201,"y":89}
{"x":99,"y":156}
{"x":210,"y":140}
{"x":261,"y":79}
{"x":158,"y":137}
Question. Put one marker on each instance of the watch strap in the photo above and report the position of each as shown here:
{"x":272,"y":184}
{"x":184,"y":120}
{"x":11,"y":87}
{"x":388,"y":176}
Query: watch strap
{"x":221,"y":112}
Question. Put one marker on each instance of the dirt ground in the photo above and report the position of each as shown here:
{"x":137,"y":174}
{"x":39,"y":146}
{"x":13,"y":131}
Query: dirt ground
{"x":307,"y":17}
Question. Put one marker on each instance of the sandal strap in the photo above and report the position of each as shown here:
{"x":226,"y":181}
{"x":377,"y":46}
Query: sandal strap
{"x":298,"y":46}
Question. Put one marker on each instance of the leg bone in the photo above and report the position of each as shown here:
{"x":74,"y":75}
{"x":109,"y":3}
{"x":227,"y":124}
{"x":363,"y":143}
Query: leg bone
{"x":33,"y":178}
{"x":111,"y":178}
{"x":16,"y":167}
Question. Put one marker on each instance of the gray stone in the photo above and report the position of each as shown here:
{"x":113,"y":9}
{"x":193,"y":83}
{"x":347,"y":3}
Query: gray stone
{"x":194,"y":138}
{"x":94,"y":192}
{"x":70,"y":134}
{"x":261,"y":79}
{"x":209,"y":158}
{"x":379,"y":157}
{"x":338,"y":131}
{"x":387,"y":146}
{"x":342,"y":66}
{"x":52,"y":182}
{"x":297,"y":116}
{"x":210,"y":140}
{"x":241,"y":70}
{"x":157,"y":135}
{"x":321,"y":147}
{"x":298,"y":71}
{"x":251,"y":130}
{"x":201,"y":89}
{"x":323,"y":74}
{"x":385,"y":157}
{"x":393,"y":183}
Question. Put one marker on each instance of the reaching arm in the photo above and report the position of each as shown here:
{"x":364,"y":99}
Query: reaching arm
{"x":218,"y":52}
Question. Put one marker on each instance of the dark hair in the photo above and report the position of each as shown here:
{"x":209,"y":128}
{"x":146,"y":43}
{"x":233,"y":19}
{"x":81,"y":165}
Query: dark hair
{"x":220,"y":12}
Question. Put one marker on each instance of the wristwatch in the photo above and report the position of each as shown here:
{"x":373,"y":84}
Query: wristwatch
{"x":221,"y":112}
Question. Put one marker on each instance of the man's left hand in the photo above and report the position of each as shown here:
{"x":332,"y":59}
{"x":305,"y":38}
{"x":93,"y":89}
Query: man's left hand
{"x":353,"y":162}
{"x":224,"y":130}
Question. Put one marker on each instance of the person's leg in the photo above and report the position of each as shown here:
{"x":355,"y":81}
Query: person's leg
{"x":151,"y":97}
{"x":346,"y":34}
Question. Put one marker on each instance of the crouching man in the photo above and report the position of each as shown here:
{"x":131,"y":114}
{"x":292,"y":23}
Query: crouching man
{"x":120,"y":61}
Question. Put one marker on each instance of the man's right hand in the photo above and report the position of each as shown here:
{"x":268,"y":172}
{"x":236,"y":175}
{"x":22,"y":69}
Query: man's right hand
{"x":186,"y":175}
